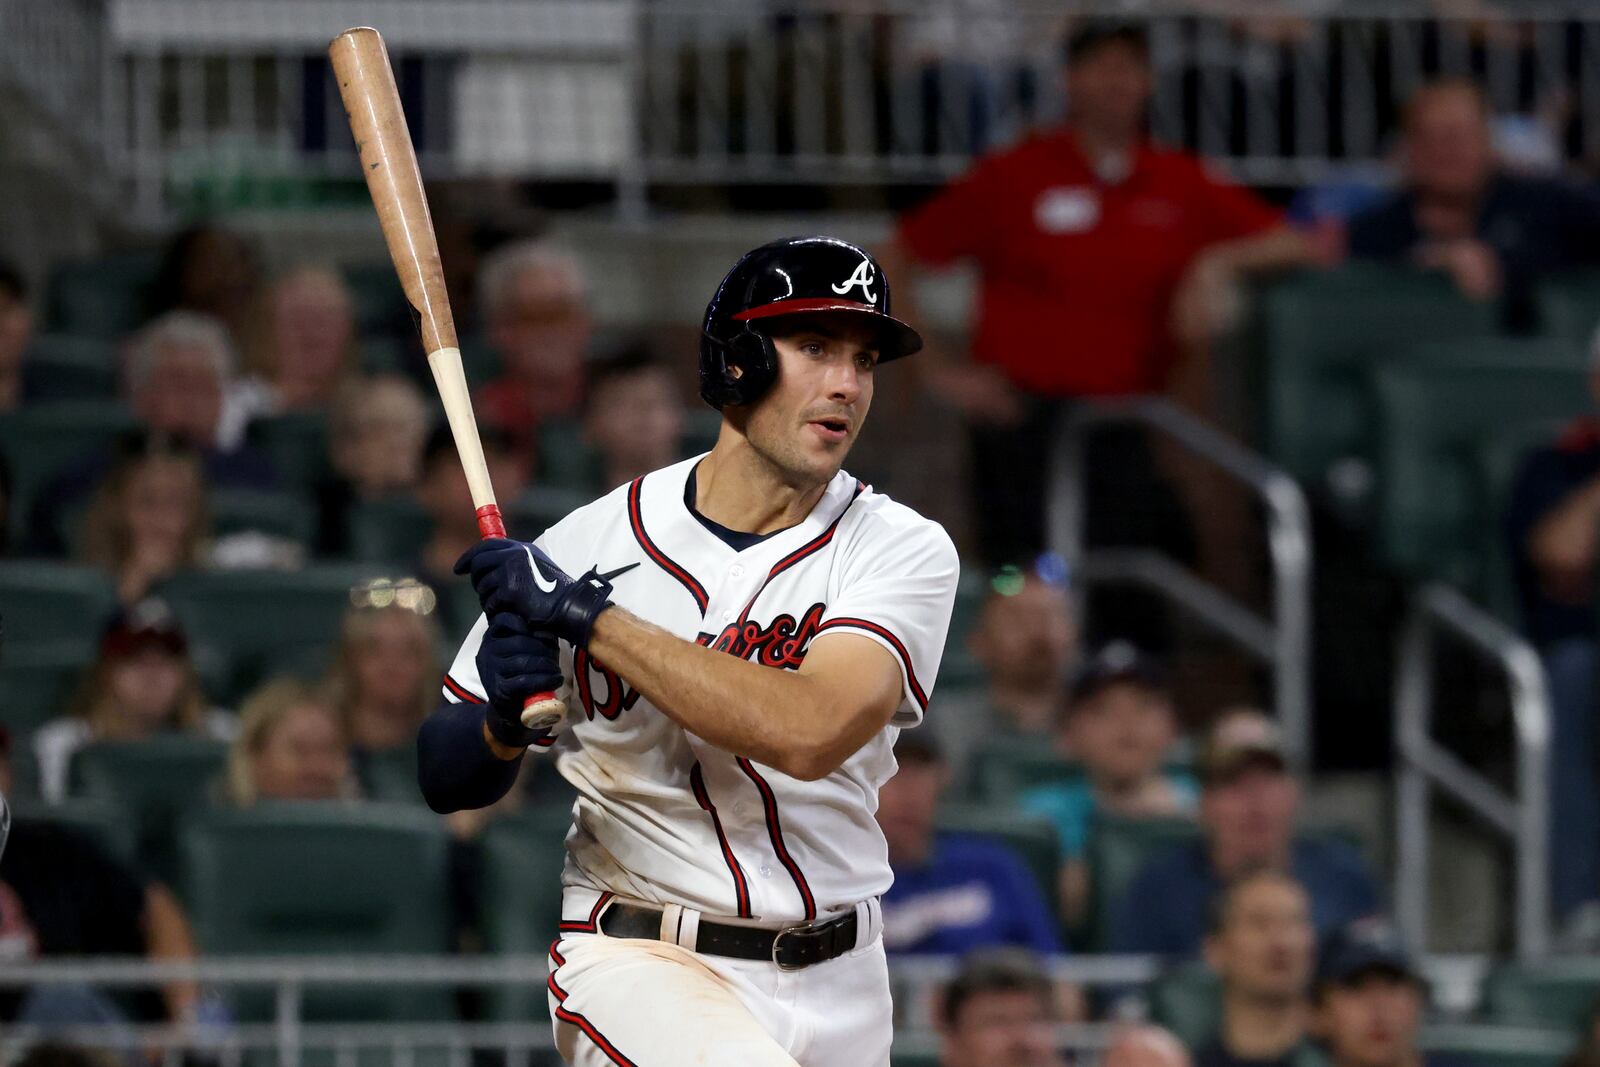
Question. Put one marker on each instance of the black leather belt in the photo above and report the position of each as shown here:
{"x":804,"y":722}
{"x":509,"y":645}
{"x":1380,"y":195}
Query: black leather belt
{"x":791,"y":948}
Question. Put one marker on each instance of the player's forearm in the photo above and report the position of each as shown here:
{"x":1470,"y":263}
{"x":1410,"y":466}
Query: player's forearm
{"x":782,"y":719}
{"x":459,"y":767}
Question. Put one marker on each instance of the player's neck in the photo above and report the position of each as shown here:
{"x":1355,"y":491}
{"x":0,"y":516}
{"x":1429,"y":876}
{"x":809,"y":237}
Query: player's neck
{"x":739,"y":488}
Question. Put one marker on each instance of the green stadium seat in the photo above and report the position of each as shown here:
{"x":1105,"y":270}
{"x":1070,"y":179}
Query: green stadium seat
{"x":41,"y":440}
{"x":323,"y":878}
{"x":1433,"y":513}
{"x":1004,"y":767}
{"x":62,"y":367}
{"x":106,"y":297}
{"x":1488,"y":1046}
{"x":565,"y":460}
{"x":1317,"y":331}
{"x":390,"y":531}
{"x":106,"y":823}
{"x":536,"y":510}
{"x":285,"y":515}
{"x":1557,"y":993}
{"x":297,"y":446}
{"x":1496,"y":463}
{"x":390,"y":776}
{"x":521,"y":903}
{"x":971,"y":589}
{"x":1188,"y":1001}
{"x":478,"y":359}
{"x":380,"y":302}
{"x":701,"y":429}
{"x":157,"y":782}
{"x":249,"y":619}
{"x":1118,"y":849}
{"x":1033,"y":839}
{"x":57,"y":603}
{"x":1569,"y":307}
{"x":913,"y":1059}
{"x":37,"y":680}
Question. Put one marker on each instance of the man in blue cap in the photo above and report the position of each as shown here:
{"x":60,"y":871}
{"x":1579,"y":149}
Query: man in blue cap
{"x":1369,"y":998}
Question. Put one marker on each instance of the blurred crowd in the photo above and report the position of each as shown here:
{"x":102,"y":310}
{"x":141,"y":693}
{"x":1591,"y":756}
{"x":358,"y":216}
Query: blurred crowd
{"x":1129,"y":821}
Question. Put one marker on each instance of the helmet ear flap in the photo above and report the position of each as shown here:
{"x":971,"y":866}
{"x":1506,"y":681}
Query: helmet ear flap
{"x":737,"y":369}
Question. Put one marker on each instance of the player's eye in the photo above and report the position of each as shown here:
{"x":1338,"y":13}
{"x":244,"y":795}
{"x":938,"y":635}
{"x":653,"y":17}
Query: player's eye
{"x":866,"y":360}
{"x":812,"y":348}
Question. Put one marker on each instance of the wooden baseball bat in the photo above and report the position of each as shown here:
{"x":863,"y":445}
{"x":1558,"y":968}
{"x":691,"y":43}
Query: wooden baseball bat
{"x":372,"y":104}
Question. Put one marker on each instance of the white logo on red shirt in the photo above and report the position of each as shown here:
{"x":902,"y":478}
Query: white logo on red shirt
{"x":1074,"y":209}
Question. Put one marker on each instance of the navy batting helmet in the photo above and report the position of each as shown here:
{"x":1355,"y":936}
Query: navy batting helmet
{"x":794,"y":276}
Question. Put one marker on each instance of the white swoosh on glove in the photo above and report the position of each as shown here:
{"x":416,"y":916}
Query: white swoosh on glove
{"x":546,"y":585}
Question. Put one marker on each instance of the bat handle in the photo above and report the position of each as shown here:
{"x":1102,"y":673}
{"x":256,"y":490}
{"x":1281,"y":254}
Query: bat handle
{"x":541,"y":710}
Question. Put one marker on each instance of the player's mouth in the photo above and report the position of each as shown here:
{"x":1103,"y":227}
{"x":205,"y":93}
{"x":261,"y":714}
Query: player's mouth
{"x":831,"y":428}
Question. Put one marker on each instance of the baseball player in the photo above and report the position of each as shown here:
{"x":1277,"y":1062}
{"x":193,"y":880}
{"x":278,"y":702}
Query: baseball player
{"x":749,"y":631}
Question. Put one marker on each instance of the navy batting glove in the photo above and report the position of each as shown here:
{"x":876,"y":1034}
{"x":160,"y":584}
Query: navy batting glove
{"x":513,"y":664}
{"x":513,"y":577}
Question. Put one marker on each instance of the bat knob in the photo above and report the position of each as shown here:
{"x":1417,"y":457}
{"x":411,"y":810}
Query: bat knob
{"x":543,"y":711}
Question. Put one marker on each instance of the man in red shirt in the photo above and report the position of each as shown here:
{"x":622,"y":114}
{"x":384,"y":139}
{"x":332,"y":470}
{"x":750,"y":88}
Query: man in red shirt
{"x":1107,"y":265}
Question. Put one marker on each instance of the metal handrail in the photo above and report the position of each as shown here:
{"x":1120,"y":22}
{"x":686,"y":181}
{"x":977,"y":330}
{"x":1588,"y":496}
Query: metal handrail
{"x":1425,"y":765}
{"x":1282,"y":640}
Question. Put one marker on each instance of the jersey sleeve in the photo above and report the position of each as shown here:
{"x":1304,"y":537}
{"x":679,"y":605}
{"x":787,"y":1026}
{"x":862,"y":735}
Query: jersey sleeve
{"x":897,"y":588}
{"x":1231,"y":211}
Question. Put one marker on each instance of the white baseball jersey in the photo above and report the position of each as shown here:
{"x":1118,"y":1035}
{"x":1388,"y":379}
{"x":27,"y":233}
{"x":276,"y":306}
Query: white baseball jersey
{"x":661,"y":815}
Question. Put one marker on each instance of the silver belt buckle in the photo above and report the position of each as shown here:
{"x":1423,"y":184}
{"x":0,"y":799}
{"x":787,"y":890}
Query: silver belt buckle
{"x":777,"y":942}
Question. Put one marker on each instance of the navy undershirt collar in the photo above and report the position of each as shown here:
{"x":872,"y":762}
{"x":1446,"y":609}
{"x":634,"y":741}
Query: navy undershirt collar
{"x":738,"y":540}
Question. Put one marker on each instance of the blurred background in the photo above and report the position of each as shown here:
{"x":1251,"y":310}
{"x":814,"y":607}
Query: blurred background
{"x":1260,"y":398}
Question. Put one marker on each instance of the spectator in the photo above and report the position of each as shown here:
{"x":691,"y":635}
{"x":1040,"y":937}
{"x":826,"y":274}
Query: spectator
{"x":210,"y":270}
{"x":148,"y":519}
{"x":1248,"y":803}
{"x":291,"y":746}
{"x":1458,"y":211}
{"x":951,"y":893}
{"x":16,"y":332}
{"x":1145,"y":1046}
{"x":377,"y":432}
{"x":1262,"y":946}
{"x":62,"y":894}
{"x":302,"y":347}
{"x":633,"y":417}
{"x":1042,"y":221}
{"x":1118,"y":722}
{"x":535,"y":305}
{"x":1369,"y":1000}
{"x":385,"y":678}
{"x":444,"y":496}
{"x":142,"y":684}
{"x":998,"y":1012}
{"x":1552,"y":525}
{"x":1025,"y":640}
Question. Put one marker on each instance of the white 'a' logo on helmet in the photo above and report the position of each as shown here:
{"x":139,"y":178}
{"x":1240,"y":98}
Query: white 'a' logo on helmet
{"x":863,"y":277}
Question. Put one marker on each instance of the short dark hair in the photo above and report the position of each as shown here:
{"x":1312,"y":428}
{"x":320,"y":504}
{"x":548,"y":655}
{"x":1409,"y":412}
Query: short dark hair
{"x":1089,"y":35}
{"x":1220,"y":906}
{"x":632,"y":359}
{"x":996,"y":970}
{"x":12,"y":283}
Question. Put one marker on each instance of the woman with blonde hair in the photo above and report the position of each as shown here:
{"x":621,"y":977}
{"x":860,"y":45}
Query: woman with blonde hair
{"x":148,"y":519}
{"x":385,"y":676}
{"x":291,"y":746}
{"x":142,"y":684}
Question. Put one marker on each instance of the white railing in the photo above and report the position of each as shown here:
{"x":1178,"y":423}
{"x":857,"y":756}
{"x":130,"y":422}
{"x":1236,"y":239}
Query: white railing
{"x":229,"y":100}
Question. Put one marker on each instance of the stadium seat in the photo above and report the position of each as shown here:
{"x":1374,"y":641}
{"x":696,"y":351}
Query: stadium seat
{"x":40,"y":441}
{"x":971,"y":588}
{"x":105,"y":298}
{"x":157,"y":782}
{"x":1033,"y":839}
{"x":1481,"y":1046}
{"x":285,"y":515}
{"x":37,"y":680}
{"x":390,"y":531}
{"x":1496,"y":461}
{"x":380,"y":303}
{"x":1316,"y":333}
{"x":249,"y":619}
{"x":323,"y":878}
{"x":107,"y":824}
{"x":390,"y":776}
{"x":1003,"y":767}
{"x":536,"y":510}
{"x":62,"y":604}
{"x":1569,"y":307}
{"x":1118,"y":849}
{"x":913,"y":1059}
{"x":565,"y":460}
{"x":1188,"y":1001}
{"x":63,"y":367}
{"x":520,"y":905}
{"x":1433,"y":513}
{"x":297,"y":446}
{"x":1559,"y":993}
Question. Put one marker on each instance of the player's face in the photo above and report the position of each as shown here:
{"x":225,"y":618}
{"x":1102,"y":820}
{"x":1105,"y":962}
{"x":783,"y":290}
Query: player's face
{"x":1122,"y":732}
{"x":805,"y":424}
{"x":1264,"y":947}
{"x":1371,"y":1022}
{"x":1010,"y":1029}
{"x":304,"y":758}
